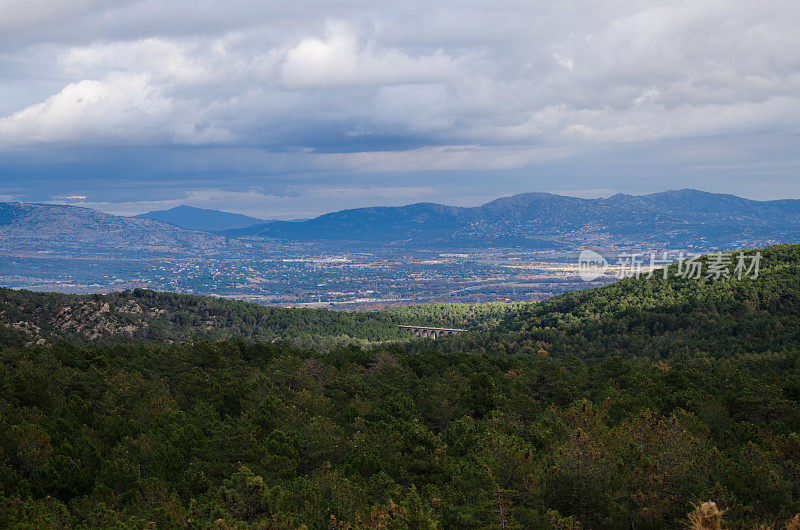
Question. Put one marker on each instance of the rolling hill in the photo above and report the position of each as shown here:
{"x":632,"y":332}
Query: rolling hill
{"x":201,"y":219}
{"x":152,"y":317}
{"x":55,"y":228}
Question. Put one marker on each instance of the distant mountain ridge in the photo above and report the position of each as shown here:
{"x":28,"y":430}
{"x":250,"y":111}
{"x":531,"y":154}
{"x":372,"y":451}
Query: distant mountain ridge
{"x":201,"y":219}
{"x":671,"y":219}
{"x":56,"y":228}
{"x":681,"y":218}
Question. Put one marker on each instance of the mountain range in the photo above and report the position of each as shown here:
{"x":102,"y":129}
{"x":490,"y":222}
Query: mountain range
{"x":672,"y":219}
{"x":684,"y":218}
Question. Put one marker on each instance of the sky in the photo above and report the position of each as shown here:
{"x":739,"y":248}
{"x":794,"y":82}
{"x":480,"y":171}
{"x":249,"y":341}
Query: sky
{"x":291,"y":109}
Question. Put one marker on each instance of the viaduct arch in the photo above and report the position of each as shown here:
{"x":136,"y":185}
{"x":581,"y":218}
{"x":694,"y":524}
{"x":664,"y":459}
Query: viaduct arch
{"x":431,"y":333}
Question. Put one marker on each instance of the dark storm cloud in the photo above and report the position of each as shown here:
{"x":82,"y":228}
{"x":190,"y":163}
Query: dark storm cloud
{"x":257,"y":96}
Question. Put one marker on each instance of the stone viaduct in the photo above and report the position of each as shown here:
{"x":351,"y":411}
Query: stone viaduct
{"x":432,"y":333}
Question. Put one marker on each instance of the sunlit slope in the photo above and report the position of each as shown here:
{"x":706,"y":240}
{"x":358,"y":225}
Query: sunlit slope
{"x":660,"y":318}
{"x":148,"y":316}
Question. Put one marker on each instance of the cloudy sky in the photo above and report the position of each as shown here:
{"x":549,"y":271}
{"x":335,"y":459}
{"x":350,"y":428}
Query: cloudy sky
{"x":289,"y":109}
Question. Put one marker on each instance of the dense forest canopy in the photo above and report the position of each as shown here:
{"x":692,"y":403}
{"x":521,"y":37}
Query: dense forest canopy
{"x":623,"y":406}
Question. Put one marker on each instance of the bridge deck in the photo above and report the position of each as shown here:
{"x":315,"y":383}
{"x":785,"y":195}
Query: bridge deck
{"x":431,"y":333}
{"x":432,"y":329}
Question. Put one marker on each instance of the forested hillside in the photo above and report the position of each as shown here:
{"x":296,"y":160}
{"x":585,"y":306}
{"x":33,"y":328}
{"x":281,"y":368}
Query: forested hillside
{"x":620,"y":407}
{"x":661,"y":318}
{"x":148,"y":316}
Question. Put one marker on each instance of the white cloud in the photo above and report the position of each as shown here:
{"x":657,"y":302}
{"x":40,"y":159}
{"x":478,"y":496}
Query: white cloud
{"x":372,"y":86}
{"x":341,"y":60}
{"x":125,"y":108}
{"x":88,"y":108}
